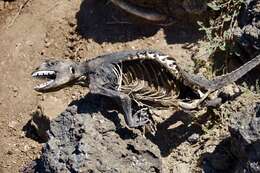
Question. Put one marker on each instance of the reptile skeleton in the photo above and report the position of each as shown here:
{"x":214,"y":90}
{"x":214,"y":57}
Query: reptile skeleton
{"x":136,"y":80}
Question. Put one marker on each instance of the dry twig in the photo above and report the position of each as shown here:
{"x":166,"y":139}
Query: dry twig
{"x":18,"y":13}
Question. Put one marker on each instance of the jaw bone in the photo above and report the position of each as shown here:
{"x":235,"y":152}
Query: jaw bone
{"x":46,"y":74}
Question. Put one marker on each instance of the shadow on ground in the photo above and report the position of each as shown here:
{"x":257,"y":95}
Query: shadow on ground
{"x":102,"y":22}
{"x":240,"y":151}
{"x":168,"y":137}
{"x":220,"y":160}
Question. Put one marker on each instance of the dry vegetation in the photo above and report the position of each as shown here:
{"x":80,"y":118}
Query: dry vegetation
{"x":221,"y":24}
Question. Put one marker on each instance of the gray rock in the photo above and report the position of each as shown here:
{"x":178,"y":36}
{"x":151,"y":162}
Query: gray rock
{"x":240,"y":153}
{"x":81,"y":139}
{"x":248,"y":33}
{"x":245,"y":138}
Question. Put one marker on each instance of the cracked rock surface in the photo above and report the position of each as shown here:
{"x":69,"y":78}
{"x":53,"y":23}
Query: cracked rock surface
{"x":248,"y":34}
{"x":83,"y":140}
{"x":245,"y":139}
{"x":239,"y":153}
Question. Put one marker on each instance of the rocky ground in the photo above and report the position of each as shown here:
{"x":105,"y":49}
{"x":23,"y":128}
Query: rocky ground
{"x":87,"y":135}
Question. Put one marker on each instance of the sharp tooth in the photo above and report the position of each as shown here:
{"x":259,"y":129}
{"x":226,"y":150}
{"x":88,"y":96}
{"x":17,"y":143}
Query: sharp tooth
{"x":34,"y":74}
{"x":49,"y":82}
{"x":43,"y":84}
{"x":51,"y":72}
{"x":42,"y":73}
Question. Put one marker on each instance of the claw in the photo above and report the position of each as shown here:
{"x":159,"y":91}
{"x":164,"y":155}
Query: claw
{"x":141,"y":117}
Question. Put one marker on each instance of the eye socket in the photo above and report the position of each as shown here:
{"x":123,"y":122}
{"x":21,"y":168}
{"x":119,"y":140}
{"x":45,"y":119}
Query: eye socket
{"x":51,"y":63}
{"x":72,"y":70}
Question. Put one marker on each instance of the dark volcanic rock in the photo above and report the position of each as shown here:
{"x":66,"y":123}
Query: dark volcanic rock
{"x":248,"y":33}
{"x":240,"y":153}
{"x":81,"y":139}
{"x":245,"y":141}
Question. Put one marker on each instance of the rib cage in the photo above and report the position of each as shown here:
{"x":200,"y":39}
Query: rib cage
{"x":148,"y":82}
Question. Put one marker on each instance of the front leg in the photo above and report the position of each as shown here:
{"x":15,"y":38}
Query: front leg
{"x":124,"y":101}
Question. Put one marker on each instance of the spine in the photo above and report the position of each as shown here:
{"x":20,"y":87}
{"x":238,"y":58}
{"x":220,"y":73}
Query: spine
{"x":163,"y":59}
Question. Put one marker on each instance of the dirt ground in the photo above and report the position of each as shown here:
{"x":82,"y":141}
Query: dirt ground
{"x":77,"y":30}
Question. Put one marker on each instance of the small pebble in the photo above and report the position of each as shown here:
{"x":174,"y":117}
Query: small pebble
{"x":29,"y":42}
{"x":71,"y":23}
{"x":193,"y":138}
{"x":42,"y":52}
{"x":22,"y":135}
{"x":26,"y":148}
{"x":12,"y":124}
{"x":48,"y":42}
{"x":9,"y":152}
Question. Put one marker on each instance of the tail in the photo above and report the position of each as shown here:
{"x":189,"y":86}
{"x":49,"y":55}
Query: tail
{"x":233,"y":76}
{"x":139,"y":11}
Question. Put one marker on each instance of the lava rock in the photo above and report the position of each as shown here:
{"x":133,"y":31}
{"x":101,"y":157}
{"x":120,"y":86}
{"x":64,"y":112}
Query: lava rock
{"x":239,"y":153}
{"x":194,"y":138}
{"x":81,"y":139}
{"x":245,"y":141}
{"x":248,"y":32}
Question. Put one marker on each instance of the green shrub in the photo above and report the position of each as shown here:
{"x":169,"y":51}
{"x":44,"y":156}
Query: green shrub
{"x":222,"y":21}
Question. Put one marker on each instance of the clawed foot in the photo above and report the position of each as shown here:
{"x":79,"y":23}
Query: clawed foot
{"x":141,"y":117}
